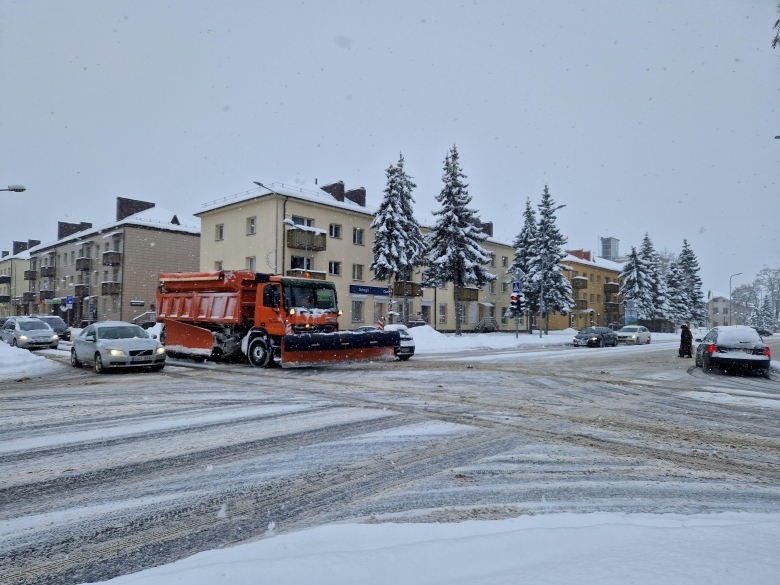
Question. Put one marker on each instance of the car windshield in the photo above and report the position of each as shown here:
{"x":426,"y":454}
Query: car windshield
{"x":746,"y":335}
{"x":588,"y":331}
{"x":122,"y":332}
{"x":308,"y":297}
{"x":54,"y":321}
{"x":628,"y":330}
{"x":33,"y":325}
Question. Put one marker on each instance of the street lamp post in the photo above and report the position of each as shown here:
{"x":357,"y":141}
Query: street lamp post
{"x":15,"y":188}
{"x":731,"y":315}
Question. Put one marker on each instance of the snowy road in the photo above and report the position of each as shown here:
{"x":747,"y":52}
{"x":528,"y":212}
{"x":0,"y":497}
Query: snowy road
{"x":106,"y":475}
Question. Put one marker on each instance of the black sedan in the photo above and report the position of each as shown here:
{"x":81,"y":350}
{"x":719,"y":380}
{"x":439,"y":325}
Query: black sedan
{"x":60,"y":327}
{"x":596,"y":337}
{"x":736,"y":347}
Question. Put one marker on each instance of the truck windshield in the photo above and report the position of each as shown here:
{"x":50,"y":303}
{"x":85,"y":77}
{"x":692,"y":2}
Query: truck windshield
{"x":307,"y":297}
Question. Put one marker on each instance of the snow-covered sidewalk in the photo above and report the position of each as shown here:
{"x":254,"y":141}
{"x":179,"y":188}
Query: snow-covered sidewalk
{"x":428,"y":340}
{"x":15,"y":362}
{"x":580,"y":549}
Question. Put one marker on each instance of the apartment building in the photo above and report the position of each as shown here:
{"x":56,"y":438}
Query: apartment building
{"x":13,"y":264}
{"x":111,"y":272}
{"x":595,"y":284}
{"x":718,"y":311}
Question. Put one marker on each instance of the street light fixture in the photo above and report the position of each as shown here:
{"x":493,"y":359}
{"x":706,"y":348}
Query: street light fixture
{"x":731,"y":315}
{"x":15,"y":188}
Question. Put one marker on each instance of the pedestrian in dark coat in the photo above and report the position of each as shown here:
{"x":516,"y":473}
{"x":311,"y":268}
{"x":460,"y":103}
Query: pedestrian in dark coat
{"x":686,"y":342}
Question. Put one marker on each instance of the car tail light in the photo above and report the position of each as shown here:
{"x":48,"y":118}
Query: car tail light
{"x":712,"y":348}
{"x":767,"y":351}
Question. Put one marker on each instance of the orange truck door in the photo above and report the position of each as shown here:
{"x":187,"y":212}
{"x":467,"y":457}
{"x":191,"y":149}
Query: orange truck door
{"x":270,"y":315}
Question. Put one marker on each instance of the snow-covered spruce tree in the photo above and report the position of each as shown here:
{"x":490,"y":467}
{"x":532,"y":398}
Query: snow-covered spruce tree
{"x":766,"y":314}
{"x":545,"y":272}
{"x":677,"y":309}
{"x":453,"y":251}
{"x":398,"y":241}
{"x":689,"y":269}
{"x":524,"y":245}
{"x":637,"y":286}
{"x":655,"y":280}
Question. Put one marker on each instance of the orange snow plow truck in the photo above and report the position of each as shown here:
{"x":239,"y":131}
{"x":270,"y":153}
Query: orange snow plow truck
{"x":267,"y":318}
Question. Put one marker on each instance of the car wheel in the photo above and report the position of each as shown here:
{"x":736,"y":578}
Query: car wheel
{"x":13,"y":343}
{"x":258,"y":353}
{"x":99,"y":368}
{"x":162,"y":336}
{"x":601,"y":342}
{"x":648,"y":340}
{"x":74,"y":361}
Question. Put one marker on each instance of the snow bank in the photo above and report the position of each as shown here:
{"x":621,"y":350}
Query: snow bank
{"x":15,"y":362}
{"x":428,"y":340}
{"x":577,"y":549}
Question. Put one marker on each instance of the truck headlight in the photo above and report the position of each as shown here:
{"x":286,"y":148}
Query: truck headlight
{"x":160,"y":350}
{"x":341,"y":312}
{"x":115,"y":352}
{"x":292,"y":311}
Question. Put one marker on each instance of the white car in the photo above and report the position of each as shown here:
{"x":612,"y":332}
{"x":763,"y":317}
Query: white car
{"x":113,"y":345}
{"x":28,"y":333}
{"x":406,"y":349}
{"x":634,"y":334}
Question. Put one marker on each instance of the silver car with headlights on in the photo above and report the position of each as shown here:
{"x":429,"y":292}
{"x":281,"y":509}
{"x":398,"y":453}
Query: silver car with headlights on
{"x":115,"y":345}
{"x":29,"y":333}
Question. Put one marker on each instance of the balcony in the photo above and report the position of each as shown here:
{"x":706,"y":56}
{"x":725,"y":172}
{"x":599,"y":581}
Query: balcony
{"x":5,"y":299}
{"x":581,"y":304}
{"x":46,"y":294}
{"x":305,"y":240}
{"x":579,"y":282}
{"x":81,"y":290}
{"x":311,"y":274}
{"x":611,"y":288}
{"x":110,"y":288}
{"x":5,"y":279}
{"x":28,"y":297}
{"x":83,"y":264}
{"x":408,"y":289}
{"x":112,"y":258}
{"x":31,"y":275}
{"x":468,"y":294}
{"x":48,"y":272}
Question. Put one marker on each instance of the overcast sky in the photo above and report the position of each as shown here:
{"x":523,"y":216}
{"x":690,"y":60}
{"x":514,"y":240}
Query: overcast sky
{"x":640,"y":116}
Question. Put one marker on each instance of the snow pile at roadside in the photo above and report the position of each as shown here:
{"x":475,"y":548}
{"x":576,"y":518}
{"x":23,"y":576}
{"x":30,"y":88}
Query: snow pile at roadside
{"x":15,"y":362}
{"x":602,"y":548}
{"x":775,"y":366}
{"x":428,"y":340}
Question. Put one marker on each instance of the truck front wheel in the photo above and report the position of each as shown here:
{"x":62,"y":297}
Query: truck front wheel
{"x":259,"y":353}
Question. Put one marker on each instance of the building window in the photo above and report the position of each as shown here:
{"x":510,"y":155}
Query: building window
{"x":304,"y":221}
{"x":357,"y":311}
{"x":357,"y":236}
{"x":379,"y":311}
{"x":335,"y":230}
{"x":334,"y":268}
{"x":504,"y":261}
{"x":300,"y":263}
{"x":715,"y":311}
{"x":504,"y":287}
{"x":73,"y":257}
{"x":492,"y":287}
{"x":492,"y":260}
{"x":598,"y":298}
{"x":425,"y":313}
{"x":591,"y":297}
{"x":606,"y":279}
{"x":503,"y":314}
{"x":251,"y":226}
{"x":442,"y":314}
{"x":251,"y":263}
{"x":357,"y":272}
{"x":591,"y":277}
{"x":725,"y":310}
{"x":598,"y":278}
{"x":220,"y":232}
{"x":218,"y":265}
{"x":491,"y":311}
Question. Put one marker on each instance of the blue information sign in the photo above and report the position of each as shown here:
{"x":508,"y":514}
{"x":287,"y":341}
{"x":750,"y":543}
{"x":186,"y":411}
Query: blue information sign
{"x":369,"y":290}
{"x":515,"y":287}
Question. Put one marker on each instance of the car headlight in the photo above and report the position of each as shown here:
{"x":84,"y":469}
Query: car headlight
{"x":594,"y":338}
{"x":633,"y":337}
{"x":22,"y":338}
{"x":115,"y":352}
{"x":55,"y":336}
{"x":160,"y":350}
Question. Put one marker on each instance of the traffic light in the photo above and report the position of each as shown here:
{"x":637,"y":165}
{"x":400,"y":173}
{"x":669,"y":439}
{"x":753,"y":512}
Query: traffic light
{"x":514,"y":306}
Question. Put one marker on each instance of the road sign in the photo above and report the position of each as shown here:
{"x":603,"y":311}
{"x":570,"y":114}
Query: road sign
{"x":69,"y":300}
{"x":515,"y":287}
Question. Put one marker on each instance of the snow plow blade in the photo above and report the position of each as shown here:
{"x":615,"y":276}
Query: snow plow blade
{"x":187,"y":340}
{"x":320,"y":348}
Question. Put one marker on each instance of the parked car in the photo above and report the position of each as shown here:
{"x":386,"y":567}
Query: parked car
{"x":366,"y":329}
{"x":615,"y":326}
{"x":734,"y":346}
{"x":116,"y":345}
{"x":596,"y":337}
{"x":635,"y":334}
{"x":406,"y":349}
{"x":29,"y":333}
{"x":60,"y":327}
{"x":762,"y":331}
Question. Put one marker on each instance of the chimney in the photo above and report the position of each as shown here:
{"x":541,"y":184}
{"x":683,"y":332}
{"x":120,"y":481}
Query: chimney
{"x":5,"y":253}
{"x":33,"y":243}
{"x":19,"y":247}
{"x":335,"y":189}
{"x":65,"y":229}
{"x":127,"y":207}
{"x":486,"y":227}
{"x":357,"y":196}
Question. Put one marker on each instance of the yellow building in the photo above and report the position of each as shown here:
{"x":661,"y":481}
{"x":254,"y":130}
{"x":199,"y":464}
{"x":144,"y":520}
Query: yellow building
{"x":12,"y":283}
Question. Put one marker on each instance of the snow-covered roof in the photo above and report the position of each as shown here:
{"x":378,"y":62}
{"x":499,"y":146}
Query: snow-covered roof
{"x":597,"y":262}
{"x":25,"y":255}
{"x":155,"y":217}
{"x":304,"y":191}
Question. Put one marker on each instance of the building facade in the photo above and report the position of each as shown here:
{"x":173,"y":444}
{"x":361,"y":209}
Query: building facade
{"x":12,"y":283}
{"x":111,"y":272}
{"x":718,"y":311}
{"x":324,"y":232}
